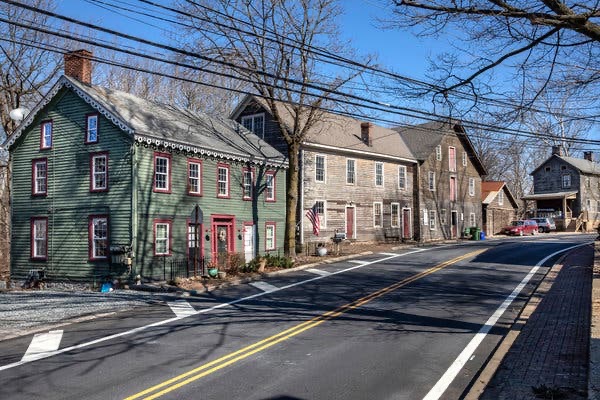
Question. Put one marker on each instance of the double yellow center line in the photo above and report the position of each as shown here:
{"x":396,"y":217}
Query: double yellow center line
{"x":231,"y":358}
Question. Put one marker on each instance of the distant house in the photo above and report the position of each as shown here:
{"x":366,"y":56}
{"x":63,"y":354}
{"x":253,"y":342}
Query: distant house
{"x":449,"y":176}
{"x":357,"y":176}
{"x":567,"y":189}
{"x":106,"y":183}
{"x":499,"y":206}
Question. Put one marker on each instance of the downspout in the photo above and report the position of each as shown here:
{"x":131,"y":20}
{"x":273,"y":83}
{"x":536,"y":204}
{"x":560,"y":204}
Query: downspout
{"x":133,"y":226}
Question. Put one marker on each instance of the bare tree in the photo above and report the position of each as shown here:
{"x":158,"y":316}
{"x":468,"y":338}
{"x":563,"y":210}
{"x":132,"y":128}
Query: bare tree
{"x":545,"y":43}
{"x":25,"y":70}
{"x":269,"y":44}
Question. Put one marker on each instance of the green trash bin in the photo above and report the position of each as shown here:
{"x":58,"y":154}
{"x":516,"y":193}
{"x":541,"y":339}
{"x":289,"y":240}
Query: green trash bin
{"x":475,"y":233}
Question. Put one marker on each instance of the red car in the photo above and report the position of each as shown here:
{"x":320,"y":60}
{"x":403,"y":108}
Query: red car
{"x":521,"y":227}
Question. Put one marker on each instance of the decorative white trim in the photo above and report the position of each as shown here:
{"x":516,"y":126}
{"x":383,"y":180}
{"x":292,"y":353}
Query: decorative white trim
{"x":140,"y":139}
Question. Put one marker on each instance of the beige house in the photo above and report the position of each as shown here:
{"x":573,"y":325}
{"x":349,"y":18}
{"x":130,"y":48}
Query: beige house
{"x":357,"y":176}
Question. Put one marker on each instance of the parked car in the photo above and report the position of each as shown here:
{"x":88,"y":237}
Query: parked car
{"x":521,"y":227}
{"x":545,"y":224}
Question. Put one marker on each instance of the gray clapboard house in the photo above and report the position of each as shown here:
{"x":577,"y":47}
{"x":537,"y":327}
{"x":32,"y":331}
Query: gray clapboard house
{"x":568,"y":190}
{"x":106,"y":183}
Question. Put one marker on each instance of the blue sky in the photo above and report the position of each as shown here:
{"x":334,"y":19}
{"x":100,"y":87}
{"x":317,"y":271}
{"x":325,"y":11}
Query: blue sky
{"x":399,"y":51}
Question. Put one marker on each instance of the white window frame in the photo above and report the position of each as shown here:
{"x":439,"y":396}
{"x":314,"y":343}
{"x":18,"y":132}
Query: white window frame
{"x":471,"y":187}
{"x":91,"y":128}
{"x":223,"y":181}
{"x":270,"y":186}
{"x":270,"y":230}
{"x":162,"y":241}
{"x":350,"y":171}
{"x":464,"y":158}
{"x":402,"y":184}
{"x":195,"y":178}
{"x":247,"y":183}
{"x":472,"y":219}
{"x":431,"y":181}
{"x":47,"y":138}
{"x":432,"y":224}
{"x":38,"y":179}
{"x":438,"y":152}
{"x":250,"y":121}
{"x":95,"y":175}
{"x":323,"y":169}
{"x":395,"y":215}
{"x":165,"y":181}
{"x":39,"y":235}
{"x":377,"y":206}
{"x":425,"y":217}
{"x":322,"y":211}
{"x":94,"y":240}
{"x":501,"y":198}
{"x":379,"y":174}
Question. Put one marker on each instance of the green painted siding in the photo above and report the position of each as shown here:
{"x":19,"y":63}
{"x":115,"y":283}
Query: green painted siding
{"x":177,"y":207}
{"x":69,"y":202}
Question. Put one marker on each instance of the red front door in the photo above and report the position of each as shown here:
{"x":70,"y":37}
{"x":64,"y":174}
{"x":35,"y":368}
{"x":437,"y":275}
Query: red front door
{"x":222,"y":235}
{"x":350,"y":222}
{"x":406,"y":231}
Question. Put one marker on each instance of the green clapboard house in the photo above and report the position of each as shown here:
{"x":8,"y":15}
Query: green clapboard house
{"x":107,"y":184}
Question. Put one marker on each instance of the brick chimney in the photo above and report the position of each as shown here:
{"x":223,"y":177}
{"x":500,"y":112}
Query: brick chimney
{"x":557,"y":150}
{"x":588,"y":155}
{"x":78,"y":65}
{"x":365,"y":133}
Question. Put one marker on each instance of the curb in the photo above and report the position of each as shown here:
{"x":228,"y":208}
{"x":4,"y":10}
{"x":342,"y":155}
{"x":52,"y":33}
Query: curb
{"x":594,"y":352}
{"x":238,"y":281}
{"x":494,"y":362}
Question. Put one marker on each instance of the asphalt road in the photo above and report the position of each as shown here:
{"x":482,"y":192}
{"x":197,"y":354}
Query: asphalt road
{"x":385,"y":326}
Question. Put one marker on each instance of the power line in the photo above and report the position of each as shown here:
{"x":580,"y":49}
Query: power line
{"x":424,"y":115}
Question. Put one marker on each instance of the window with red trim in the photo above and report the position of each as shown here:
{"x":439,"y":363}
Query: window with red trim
{"x":194,"y":177}
{"x":98,"y":237}
{"x":223,"y":181}
{"x":270,"y":236}
{"x":46,"y":135}
{"x":162,"y":172}
{"x":39,"y":177}
{"x":247,"y":183}
{"x":91,"y":128}
{"x":39,"y":238}
{"x":270,"y":186}
{"x":99,"y":172}
{"x":162,"y":237}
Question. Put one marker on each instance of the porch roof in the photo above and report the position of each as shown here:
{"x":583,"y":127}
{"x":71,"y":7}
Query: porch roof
{"x":550,"y":196}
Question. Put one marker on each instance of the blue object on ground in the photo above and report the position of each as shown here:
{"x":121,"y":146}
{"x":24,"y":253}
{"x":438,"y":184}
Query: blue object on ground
{"x":106,"y":287}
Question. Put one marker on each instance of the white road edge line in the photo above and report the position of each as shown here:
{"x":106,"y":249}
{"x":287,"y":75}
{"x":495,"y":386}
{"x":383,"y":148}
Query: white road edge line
{"x":360,"y":262}
{"x":204,"y":310}
{"x":440,"y":387}
{"x":41,"y":344}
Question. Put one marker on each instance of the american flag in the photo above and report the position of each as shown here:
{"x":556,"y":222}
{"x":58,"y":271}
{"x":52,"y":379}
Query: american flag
{"x":313,"y":216}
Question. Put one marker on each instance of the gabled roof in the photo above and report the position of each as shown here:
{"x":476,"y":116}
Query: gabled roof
{"x":490,"y":190}
{"x":583,"y":165}
{"x":164,"y":125}
{"x":422,"y":140}
{"x":339,"y":132}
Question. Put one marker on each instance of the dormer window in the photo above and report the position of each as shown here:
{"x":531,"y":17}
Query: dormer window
{"x":255,"y":124}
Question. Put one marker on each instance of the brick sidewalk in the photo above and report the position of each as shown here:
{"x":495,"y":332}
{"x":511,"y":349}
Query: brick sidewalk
{"x":549,"y":357}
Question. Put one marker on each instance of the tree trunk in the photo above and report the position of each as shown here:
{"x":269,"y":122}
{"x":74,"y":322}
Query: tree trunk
{"x":292,"y":199}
